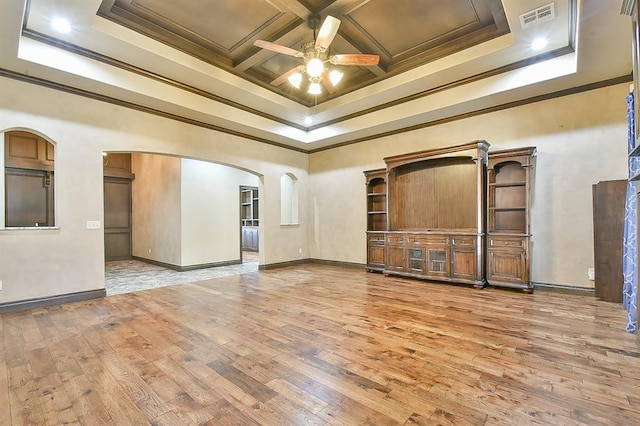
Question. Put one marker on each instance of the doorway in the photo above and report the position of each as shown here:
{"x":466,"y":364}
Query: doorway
{"x":118,"y":197}
{"x":249,"y":223}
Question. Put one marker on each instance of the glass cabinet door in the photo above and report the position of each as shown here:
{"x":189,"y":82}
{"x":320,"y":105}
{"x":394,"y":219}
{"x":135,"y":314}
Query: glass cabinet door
{"x":415,"y":260}
{"x":437,"y":261}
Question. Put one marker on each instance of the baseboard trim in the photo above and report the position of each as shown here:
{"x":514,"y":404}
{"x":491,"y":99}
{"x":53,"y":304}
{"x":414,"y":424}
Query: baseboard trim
{"x":43,"y":302}
{"x":299,"y":262}
{"x":190,"y":267}
{"x":566,"y":289}
{"x":338,"y":263}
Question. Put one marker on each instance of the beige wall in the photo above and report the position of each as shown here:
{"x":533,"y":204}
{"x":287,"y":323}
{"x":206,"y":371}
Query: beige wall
{"x":211,"y":211}
{"x":581,"y":140}
{"x":35,"y":264}
{"x":156,"y":212}
{"x":186,"y":212}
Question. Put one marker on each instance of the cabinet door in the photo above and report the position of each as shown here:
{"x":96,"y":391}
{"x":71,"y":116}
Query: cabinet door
{"x":438,"y":261}
{"x":415,"y":260}
{"x":395,"y":258}
{"x":507,"y":266}
{"x":464,"y":263}
{"x":375,"y":256}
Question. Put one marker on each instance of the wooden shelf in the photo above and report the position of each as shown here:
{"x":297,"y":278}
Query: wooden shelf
{"x":509,"y":177}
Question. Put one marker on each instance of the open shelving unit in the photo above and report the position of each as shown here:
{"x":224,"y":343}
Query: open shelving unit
{"x":508,"y":228}
{"x":376,"y":181}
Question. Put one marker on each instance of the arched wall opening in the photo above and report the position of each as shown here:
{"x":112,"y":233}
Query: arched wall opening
{"x":185,"y":212}
{"x":27,"y":183}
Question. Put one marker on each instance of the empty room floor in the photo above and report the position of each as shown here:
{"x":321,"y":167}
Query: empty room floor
{"x":321,"y":345}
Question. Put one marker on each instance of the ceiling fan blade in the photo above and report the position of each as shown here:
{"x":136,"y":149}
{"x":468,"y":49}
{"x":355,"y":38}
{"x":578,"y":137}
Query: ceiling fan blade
{"x":355,"y":59}
{"x":281,"y":79}
{"x":327,"y":32}
{"x":275,"y":47}
{"x":327,"y":83}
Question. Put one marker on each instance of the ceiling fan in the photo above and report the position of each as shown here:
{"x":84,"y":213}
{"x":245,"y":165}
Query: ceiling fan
{"x":317,"y":55}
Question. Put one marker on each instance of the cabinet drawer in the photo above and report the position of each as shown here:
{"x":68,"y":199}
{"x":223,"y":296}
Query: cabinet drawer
{"x":426,"y":239}
{"x":463,"y":240}
{"x":375,"y":238}
{"x":511,"y":242}
{"x":395,"y":238}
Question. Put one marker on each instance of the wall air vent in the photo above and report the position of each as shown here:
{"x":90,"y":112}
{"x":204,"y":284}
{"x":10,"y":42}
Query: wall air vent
{"x":538,"y":16}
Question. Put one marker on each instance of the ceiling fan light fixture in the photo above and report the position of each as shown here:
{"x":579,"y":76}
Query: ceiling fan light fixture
{"x":315,"y":54}
{"x":314,"y":88}
{"x":295,"y":80}
{"x":315,"y":67}
{"x":335,"y":76}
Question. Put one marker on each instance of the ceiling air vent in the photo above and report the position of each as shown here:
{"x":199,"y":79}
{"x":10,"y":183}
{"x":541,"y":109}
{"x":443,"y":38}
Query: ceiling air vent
{"x":538,"y":16}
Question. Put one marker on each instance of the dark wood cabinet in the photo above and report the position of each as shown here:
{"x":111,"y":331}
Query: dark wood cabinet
{"x":376,"y":185}
{"x":608,"y":233}
{"x":375,"y":251}
{"x":508,"y":233}
{"x":458,"y":214}
{"x":428,"y":208}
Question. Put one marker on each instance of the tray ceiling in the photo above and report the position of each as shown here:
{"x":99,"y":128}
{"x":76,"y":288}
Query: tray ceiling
{"x":195,"y":61}
{"x":404,"y":33}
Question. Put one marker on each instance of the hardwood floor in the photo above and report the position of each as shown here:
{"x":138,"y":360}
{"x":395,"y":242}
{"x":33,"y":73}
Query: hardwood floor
{"x":320,"y":344}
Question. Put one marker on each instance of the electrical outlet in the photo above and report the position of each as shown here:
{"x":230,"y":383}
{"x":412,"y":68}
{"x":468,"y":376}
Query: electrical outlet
{"x":591,"y":273}
{"x":0,"y":285}
{"x":93,"y":224}
{"x":300,"y":250}
{"x":149,"y":250}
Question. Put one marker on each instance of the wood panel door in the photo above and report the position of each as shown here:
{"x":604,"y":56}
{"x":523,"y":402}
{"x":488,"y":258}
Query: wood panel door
{"x":117,"y":218}
{"x":608,"y":231}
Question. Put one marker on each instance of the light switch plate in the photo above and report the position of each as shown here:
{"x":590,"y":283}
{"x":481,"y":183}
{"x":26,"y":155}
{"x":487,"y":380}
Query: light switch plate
{"x":93,"y":224}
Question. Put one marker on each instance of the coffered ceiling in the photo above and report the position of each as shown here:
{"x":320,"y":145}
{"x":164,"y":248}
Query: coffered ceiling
{"x":195,"y":60}
{"x":404,"y":34}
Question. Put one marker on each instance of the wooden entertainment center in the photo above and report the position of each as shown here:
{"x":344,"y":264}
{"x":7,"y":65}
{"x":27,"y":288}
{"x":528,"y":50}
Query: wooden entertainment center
{"x":428,"y":214}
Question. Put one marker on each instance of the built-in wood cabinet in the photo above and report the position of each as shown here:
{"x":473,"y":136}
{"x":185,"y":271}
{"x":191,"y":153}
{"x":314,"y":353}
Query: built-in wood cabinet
{"x":458,"y":214}
{"x":376,"y":182}
{"x":426,"y":214}
{"x":249,"y":217}
{"x":508,"y":230}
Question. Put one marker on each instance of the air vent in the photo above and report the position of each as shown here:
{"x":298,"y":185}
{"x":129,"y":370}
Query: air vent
{"x":538,"y":16}
{"x":627,"y":7}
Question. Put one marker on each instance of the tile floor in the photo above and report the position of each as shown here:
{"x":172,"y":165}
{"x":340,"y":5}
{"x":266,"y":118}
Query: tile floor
{"x":126,"y":276}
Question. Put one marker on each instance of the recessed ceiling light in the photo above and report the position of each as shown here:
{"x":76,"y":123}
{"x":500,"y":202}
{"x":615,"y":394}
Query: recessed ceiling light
{"x":308,"y":120}
{"x":539,"y":43}
{"x":61,"y":25}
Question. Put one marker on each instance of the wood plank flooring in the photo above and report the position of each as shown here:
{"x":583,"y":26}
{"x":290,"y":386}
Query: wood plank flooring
{"x":320,"y":344}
